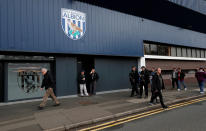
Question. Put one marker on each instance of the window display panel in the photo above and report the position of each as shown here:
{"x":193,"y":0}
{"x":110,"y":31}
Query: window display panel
{"x":163,"y":50}
{"x":146,"y":49}
{"x":24,"y":80}
{"x":153,"y":49}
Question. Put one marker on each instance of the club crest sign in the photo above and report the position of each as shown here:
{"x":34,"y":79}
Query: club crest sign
{"x":73,"y":23}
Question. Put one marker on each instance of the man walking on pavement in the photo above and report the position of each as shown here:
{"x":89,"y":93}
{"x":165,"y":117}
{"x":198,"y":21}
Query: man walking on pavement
{"x":151,"y":76}
{"x":144,"y":81}
{"x":174,"y":78}
{"x":134,"y":80}
{"x":201,"y":75}
{"x":93,"y":81}
{"x":49,"y":85}
{"x":157,"y":87}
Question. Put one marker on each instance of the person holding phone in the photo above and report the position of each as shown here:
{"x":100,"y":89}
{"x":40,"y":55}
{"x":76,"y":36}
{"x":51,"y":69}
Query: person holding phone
{"x":94,"y":77}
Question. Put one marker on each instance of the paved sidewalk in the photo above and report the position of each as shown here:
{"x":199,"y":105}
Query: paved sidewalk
{"x":74,"y":112}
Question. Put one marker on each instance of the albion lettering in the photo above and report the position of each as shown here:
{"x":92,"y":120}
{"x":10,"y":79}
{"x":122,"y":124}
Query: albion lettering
{"x":73,"y":16}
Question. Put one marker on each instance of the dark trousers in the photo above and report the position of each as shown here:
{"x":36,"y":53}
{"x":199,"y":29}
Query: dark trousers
{"x":155,"y":95}
{"x":174,"y":81}
{"x":93,"y":88}
{"x":134,"y":89}
{"x":145,"y":84}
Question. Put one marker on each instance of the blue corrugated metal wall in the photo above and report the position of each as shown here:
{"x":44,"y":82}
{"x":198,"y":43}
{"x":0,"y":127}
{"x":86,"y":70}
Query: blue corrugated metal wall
{"x":196,"y":5}
{"x":112,"y":75}
{"x":66,"y":82}
{"x":35,"y":25}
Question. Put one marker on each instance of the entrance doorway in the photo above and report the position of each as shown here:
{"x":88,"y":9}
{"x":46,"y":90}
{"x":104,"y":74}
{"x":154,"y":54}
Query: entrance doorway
{"x":85,"y":63}
{"x":1,"y":82}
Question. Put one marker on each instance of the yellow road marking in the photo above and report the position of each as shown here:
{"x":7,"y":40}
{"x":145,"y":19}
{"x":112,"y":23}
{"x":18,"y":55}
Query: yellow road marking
{"x":141,"y":115}
{"x":127,"y":120}
{"x":119,"y":120}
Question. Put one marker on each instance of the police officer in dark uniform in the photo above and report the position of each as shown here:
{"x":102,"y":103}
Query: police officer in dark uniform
{"x":134,"y":80}
{"x":144,"y":81}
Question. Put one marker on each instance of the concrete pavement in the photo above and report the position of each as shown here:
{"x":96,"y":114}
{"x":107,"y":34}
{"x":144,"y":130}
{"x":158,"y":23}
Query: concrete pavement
{"x":76,"y":112}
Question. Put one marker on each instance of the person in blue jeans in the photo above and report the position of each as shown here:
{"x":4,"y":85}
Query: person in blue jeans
{"x":181,"y":77}
{"x":152,"y":74}
{"x":201,"y":76}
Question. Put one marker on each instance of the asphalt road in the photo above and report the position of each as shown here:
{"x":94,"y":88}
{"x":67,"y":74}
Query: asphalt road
{"x":188,"y":118}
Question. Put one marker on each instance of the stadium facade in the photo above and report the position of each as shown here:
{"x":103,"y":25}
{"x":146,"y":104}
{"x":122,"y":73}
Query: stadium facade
{"x":67,"y":36}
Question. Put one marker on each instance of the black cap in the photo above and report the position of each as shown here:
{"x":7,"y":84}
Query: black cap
{"x":201,"y":68}
{"x":143,"y":67}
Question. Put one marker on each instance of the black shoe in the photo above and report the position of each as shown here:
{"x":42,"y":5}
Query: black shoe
{"x":57,"y":104}
{"x":131,"y":95}
{"x":139,"y":97}
{"x":40,"y":108}
{"x":165,"y":107}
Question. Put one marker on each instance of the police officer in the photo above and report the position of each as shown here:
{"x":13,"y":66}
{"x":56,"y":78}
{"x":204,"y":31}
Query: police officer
{"x":144,"y":81}
{"x":134,"y":80}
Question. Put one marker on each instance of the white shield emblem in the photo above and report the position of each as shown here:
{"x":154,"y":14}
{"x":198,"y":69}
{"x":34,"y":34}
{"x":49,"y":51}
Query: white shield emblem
{"x":73,"y":23}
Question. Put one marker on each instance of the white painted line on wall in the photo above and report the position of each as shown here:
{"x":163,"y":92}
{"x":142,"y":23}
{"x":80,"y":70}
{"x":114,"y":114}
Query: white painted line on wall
{"x":173,"y":58}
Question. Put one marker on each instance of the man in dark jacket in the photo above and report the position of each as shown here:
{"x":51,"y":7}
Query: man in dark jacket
{"x":157,"y":87}
{"x":49,"y":85}
{"x":94,"y":77}
{"x":144,"y":81}
{"x":174,"y":78}
{"x":82,"y":84}
{"x":134,"y":80}
{"x":181,"y":77}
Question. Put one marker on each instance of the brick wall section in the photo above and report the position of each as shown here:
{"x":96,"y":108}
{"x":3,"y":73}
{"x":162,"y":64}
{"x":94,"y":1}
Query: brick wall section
{"x":190,"y":82}
{"x":190,"y":79}
{"x":169,"y":64}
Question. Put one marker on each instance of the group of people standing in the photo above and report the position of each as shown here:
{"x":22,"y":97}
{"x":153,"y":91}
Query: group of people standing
{"x":92,"y":79}
{"x":142,"y":79}
{"x":178,"y":77}
{"x":139,"y":80}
